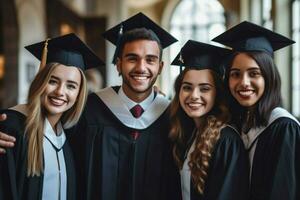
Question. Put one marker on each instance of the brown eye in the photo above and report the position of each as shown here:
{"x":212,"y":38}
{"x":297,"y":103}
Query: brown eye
{"x":131,"y":59}
{"x":234,"y":74}
{"x":151,"y":60}
{"x":186,"y":88}
{"x":254,"y":73}
{"x":52,"y":82}
{"x":71,"y":86}
{"x":205,"y":89}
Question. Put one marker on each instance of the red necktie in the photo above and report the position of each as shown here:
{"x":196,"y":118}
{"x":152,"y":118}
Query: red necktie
{"x":136,"y":111}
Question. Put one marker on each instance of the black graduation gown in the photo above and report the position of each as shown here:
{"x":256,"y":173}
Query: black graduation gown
{"x":228,"y":173}
{"x":112,"y":165}
{"x":14,"y":183}
{"x":276,"y":162}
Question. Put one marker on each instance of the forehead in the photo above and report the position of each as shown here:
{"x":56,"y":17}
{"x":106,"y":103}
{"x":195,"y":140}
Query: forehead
{"x":67,"y":73}
{"x":199,"y":76}
{"x":142,"y":46}
{"x":243,"y":61}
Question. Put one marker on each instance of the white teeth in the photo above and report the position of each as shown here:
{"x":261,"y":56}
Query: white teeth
{"x":140,"y":77}
{"x":195,"y":105}
{"x":57,"y":101}
{"x":246,"y":93}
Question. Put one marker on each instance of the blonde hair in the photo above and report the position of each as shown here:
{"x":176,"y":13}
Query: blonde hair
{"x":206,"y":136}
{"x":34,"y":125}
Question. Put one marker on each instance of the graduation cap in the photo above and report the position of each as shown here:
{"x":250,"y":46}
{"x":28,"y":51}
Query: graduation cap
{"x":201,"y":56}
{"x":139,"y":20}
{"x":68,"y":50}
{"x":247,"y":36}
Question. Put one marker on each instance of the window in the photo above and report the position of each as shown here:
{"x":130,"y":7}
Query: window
{"x":267,"y":14}
{"x":296,"y":58}
{"x":199,"y":20}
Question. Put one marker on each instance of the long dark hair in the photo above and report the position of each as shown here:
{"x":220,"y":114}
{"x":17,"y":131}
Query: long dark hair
{"x":205,"y":140}
{"x":270,"y":99}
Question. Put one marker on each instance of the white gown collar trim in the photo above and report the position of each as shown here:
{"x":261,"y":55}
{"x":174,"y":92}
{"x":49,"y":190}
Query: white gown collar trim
{"x":113,"y":101}
{"x":130,"y":104}
{"x":253,"y":133}
{"x":57,"y":141}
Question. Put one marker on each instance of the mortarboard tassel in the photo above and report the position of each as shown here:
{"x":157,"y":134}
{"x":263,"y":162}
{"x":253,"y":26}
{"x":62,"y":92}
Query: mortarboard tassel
{"x":181,"y":62}
{"x":44,"y":55}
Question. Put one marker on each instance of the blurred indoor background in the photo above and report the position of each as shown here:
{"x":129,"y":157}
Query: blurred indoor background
{"x":23,"y":22}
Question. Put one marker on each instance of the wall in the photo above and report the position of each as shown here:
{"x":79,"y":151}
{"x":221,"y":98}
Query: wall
{"x":31,"y":17}
{"x":282,"y":57}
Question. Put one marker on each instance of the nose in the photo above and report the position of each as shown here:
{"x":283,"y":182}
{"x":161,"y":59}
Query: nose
{"x":195,"y":94}
{"x":141,"y":65}
{"x":59,"y":89}
{"x":245,"y":80}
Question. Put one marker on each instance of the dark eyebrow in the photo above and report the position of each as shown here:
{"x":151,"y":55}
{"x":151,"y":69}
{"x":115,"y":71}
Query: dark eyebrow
{"x":233,"y":69}
{"x":54,"y":77}
{"x":69,"y":81}
{"x":253,"y":68}
{"x":249,"y":69}
{"x":152,"y":56}
{"x":131,"y":55}
{"x":135,"y":55}
{"x":201,"y":84}
{"x":186,"y":83}
{"x":73,"y":82}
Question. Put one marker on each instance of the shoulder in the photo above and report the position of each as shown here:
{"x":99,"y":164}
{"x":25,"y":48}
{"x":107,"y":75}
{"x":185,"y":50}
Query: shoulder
{"x":14,"y":122}
{"x":230,"y":145}
{"x":285,"y":121}
{"x":94,"y":104}
{"x":21,"y":108}
{"x":229,"y":138}
{"x":13,"y":115}
{"x":281,"y":119}
{"x":94,"y":99}
{"x":229,"y":133}
{"x":280,"y":115}
{"x":96,"y":112}
{"x":286,"y":128}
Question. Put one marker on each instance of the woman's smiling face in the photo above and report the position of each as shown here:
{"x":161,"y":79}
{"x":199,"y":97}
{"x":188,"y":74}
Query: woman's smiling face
{"x":197,"y":93}
{"x":246,"y":82}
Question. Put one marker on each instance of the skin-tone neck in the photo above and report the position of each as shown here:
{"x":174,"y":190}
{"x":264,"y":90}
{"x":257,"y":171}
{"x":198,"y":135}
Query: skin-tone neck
{"x":136,"y":97}
{"x":53,"y":120}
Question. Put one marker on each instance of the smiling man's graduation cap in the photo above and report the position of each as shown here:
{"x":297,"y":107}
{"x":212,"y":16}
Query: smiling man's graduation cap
{"x":200,"y":56}
{"x":114,"y":35}
{"x":68,"y":50}
{"x":247,"y":36}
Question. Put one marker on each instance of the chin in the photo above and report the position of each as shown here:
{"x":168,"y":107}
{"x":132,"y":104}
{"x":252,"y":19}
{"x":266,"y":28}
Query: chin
{"x":142,"y":89}
{"x":55,"y":111}
{"x":246,"y":104}
{"x":195,"y":115}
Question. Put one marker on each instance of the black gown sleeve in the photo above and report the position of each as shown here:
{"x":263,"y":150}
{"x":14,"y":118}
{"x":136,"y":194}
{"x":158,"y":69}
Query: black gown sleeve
{"x":228,"y":177}
{"x":12,"y":160}
{"x":8,"y":186}
{"x":284,"y":180}
{"x":172,"y":176}
{"x":77,"y":139}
